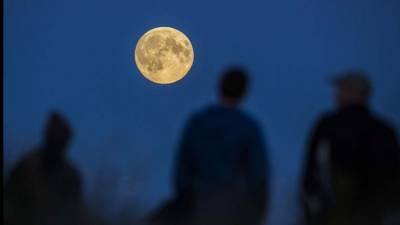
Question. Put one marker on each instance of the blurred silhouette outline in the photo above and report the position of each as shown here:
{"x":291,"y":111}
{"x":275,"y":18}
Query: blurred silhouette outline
{"x":352,"y":162}
{"x":221,"y":167}
{"x":44,"y":188}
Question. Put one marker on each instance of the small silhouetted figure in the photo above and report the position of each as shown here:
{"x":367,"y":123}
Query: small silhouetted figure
{"x":221,"y":168}
{"x":353,"y":160}
{"x":44,"y":188}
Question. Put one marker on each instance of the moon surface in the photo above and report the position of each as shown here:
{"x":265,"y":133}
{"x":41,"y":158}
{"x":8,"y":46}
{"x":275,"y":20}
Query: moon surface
{"x":164,"y":55}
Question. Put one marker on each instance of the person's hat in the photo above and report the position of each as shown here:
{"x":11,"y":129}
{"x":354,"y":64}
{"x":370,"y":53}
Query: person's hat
{"x":354,"y":80}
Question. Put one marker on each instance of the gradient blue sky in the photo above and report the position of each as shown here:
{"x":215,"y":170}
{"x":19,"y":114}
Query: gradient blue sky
{"x":77,"y":56}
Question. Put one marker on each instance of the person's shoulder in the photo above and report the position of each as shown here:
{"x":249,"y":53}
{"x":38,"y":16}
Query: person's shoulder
{"x":204,"y":113}
{"x":72,"y":172}
{"x":382,"y":125}
{"x":24,"y":167}
{"x":327,"y":117}
{"x":71,"y":167}
{"x":249,"y":119}
{"x":197,"y":116}
{"x":28,"y":160}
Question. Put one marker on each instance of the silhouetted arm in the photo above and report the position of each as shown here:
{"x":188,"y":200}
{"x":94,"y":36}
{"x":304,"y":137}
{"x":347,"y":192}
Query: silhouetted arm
{"x":389,"y":147}
{"x":77,"y":205}
{"x":183,"y":170}
{"x":258,"y":173}
{"x":386,"y":167}
{"x":11,"y":196}
{"x":310,"y":178}
{"x":383,"y":168}
{"x":16,"y":194}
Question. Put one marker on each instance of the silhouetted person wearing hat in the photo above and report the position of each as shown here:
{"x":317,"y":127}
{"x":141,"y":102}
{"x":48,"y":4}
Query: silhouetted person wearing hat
{"x":353,"y":160}
{"x":221,"y":168}
{"x":44,"y":188}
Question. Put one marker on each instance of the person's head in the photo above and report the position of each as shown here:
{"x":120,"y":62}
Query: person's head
{"x":57,"y":136}
{"x":233,"y":86}
{"x":352,"y":88}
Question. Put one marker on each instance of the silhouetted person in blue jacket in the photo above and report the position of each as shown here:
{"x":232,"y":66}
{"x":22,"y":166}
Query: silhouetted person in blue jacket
{"x":221,"y":168}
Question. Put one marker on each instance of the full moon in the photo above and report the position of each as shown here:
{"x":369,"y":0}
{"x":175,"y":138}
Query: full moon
{"x":164,"y":55}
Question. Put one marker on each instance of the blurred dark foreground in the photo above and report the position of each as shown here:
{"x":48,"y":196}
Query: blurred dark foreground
{"x":351,"y":174}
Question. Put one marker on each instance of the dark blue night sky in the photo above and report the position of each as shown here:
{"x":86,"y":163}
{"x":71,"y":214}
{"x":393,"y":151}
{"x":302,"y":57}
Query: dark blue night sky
{"x":77,"y":56}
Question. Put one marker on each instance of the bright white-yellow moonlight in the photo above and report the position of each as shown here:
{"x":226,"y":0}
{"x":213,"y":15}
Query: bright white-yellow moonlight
{"x":164,"y":55}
